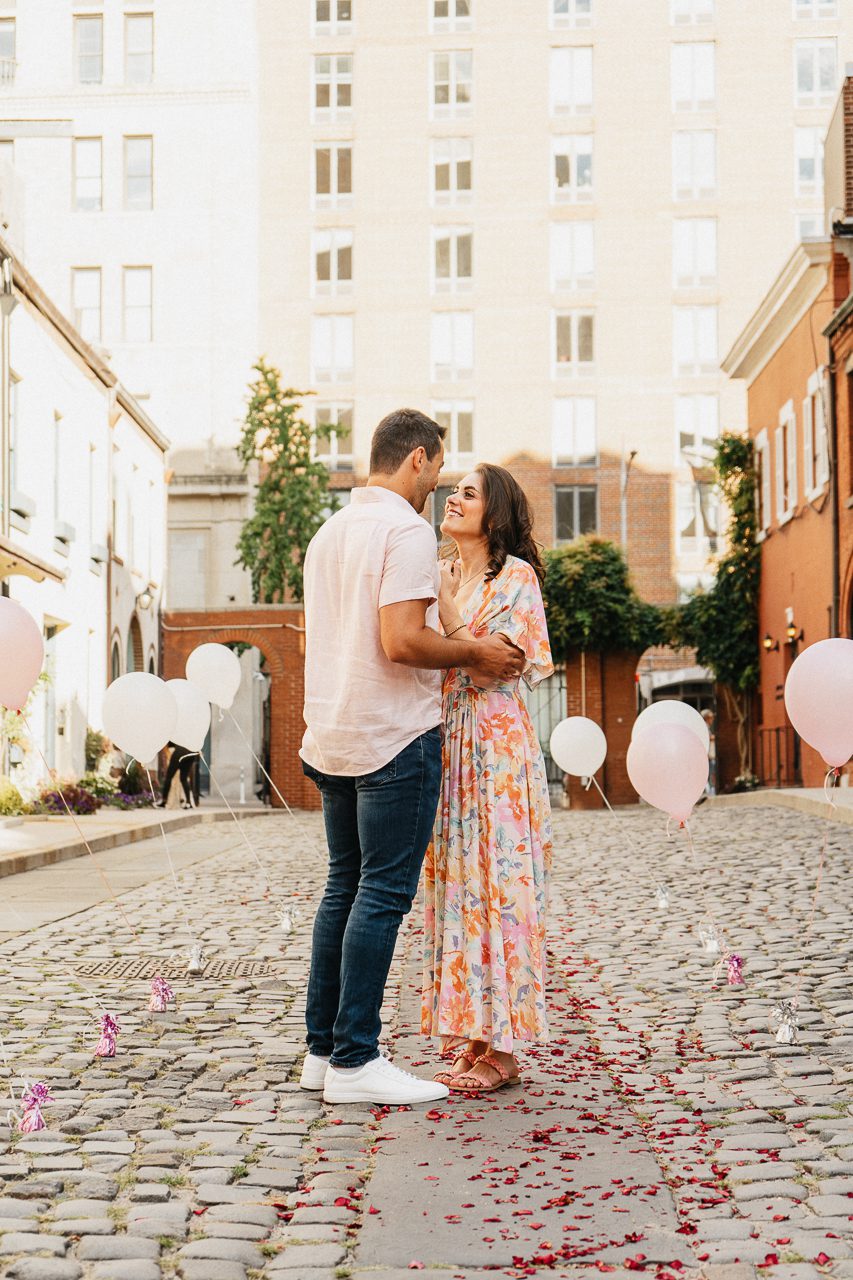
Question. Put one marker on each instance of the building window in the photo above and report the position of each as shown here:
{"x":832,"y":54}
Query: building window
{"x":808,"y":146}
{"x":693,"y":76}
{"x":137,"y":308}
{"x":808,"y":225}
{"x":87,"y":174}
{"x":86,"y":301}
{"x":571,"y":81}
{"x":572,"y":255}
{"x":815,"y":8}
{"x":684,"y":12}
{"x":451,"y":170}
{"x":452,"y":334}
{"x":573,"y":436}
{"x":815,"y":441}
{"x":574,"y":334}
{"x":698,"y":519}
{"x":333,"y":86}
{"x":457,"y":417}
{"x":332,"y":17}
{"x":89,"y":49}
{"x":452,"y":83}
{"x":571,"y":13}
{"x":332,"y":348}
{"x":335,"y":450}
{"x":575,"y":511}
{"x":8,"y":63}
{"x":697,"y":429}
{"x":138,"y":173}
{"x":571,"y":168}
{"x":439,"y":499}
{"x":762,"y":487}
{"x":694,"y":341}
{"x":333,"y":261}
{"x":332,"y":174}
{"x":188,"y":568}
{"x":694,"y":164}
{"x":138,"y":48}
{"x":785,"y":445}
{"x":450,"y":15}
{"x":451,"y":258}
{"x":815,"y":63}
{"x":694,"y":252}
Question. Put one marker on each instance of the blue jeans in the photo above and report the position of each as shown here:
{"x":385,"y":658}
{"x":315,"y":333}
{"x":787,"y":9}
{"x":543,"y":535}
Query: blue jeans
{"x":378,"y":827}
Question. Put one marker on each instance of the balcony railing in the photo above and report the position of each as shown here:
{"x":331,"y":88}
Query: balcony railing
{"x":8,"y":67}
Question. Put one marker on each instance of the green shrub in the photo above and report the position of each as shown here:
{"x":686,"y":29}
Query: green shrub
{"x":99,"y":785}
{"x":96,"y":747}
{"x":11,"y":801}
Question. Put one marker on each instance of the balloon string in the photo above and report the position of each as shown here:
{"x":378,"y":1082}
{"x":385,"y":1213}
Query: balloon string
{"x":79,"y":829}
{"x":180,"y":898}
{"x":623,"y":826}
{"x":725,"y":950}
{"x":270,"y":887}
{"x":306,"y":835}
{"x":829,"y":783}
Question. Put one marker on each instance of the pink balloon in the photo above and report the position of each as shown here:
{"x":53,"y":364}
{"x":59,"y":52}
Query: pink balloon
{"x":21,"y":653}
{"x":668,"y":767}
{"x":819,"y":698}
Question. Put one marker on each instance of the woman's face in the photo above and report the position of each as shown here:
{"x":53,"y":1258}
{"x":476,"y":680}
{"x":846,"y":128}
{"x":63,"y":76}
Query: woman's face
{"x":463,"y":511}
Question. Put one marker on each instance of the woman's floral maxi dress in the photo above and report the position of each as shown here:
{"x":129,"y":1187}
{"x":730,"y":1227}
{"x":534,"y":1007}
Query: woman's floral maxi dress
{"x":487,"y":868}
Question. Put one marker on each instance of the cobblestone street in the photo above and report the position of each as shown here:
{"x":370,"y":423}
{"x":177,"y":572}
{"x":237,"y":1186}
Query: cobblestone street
{"x":663,"y":1129}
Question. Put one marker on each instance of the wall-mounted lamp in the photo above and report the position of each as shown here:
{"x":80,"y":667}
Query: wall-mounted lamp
{"x":769,"y":644}
{"x":793,"y":633}
{"x":144,"y":600}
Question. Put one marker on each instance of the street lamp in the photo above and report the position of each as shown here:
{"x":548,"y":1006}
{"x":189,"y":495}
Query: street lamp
{"x":770,"y":645}
{"x":624,"y":477}
{"x":793,"y":633}
{"x":145,"y":599}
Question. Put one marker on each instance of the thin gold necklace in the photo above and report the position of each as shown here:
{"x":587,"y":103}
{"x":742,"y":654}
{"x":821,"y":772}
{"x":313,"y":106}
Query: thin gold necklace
{"x":476,"y":574}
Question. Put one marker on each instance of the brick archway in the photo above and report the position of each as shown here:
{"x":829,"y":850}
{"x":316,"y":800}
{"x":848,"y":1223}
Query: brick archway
{"x":278,"y":632}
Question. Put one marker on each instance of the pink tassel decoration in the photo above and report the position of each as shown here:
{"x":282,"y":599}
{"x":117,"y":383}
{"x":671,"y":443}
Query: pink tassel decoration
{"x":106,"y":1046}
{"x":161,"y":994}
{"x":34,"y":1097}
{"x":735,"y":968}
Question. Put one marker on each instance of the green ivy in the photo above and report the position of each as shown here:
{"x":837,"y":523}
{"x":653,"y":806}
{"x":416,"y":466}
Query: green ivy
{"x":591,"y":602}
{"x":292,"y":498}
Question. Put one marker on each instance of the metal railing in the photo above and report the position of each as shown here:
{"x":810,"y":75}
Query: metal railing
{"x":779,"y":757}
{"x":8,"y":67}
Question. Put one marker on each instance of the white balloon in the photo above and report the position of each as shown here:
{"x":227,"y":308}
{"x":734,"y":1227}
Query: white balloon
{"x":671,"y":711}
{"x":139,"y":714}
{"x":578,"y":746}
{"x":193,"y":714}
{"x":215,"y":669}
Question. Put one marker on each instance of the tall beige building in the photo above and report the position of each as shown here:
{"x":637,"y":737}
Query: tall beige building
{"x":544,"y":220}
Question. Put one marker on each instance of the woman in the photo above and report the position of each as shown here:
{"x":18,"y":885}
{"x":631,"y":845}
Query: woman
{"x":486,"y":870}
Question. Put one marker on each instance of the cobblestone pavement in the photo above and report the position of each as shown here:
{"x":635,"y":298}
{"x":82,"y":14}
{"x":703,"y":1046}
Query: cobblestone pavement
{"x":662,"y":1098}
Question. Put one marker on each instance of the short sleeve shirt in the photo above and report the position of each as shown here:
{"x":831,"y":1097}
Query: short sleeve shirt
{"x":361,"y":709}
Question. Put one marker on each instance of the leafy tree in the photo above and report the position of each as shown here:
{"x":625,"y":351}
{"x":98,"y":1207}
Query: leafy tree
{"x":292,"y":498}
{"x":591,"y":602}
{"x":721,"y":624}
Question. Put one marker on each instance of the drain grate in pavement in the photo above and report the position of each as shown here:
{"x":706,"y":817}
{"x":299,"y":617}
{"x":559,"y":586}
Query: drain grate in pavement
{"x":173,"y":969}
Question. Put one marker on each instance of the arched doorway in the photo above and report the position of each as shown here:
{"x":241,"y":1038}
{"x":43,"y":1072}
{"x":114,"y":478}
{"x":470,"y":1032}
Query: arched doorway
{"x":135,"y":652}
{"x":115,"y":661}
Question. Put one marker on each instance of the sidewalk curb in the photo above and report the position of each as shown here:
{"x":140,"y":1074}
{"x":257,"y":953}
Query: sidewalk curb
{"x":14,"y":864}
{"x":784,"y":800}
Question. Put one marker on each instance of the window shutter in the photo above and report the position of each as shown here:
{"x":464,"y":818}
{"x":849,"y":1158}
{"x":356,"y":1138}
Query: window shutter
{"x":808,"y":469}
{"x":779,"y":451}
{"x":791,"y":442}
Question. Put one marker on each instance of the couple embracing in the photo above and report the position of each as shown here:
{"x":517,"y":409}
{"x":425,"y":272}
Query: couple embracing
{"x":414,"y":775}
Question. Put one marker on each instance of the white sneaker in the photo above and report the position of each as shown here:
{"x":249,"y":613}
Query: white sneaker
{"x":313,"y":1072}
{"x":380,"y":1081}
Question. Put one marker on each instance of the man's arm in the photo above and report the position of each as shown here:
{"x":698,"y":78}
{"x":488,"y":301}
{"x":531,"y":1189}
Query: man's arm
{"x":408,"y":640}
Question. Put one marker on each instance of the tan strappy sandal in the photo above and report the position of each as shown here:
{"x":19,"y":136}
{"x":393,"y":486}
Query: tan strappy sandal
{"x":467,"y":1083}
{"x":465,"y":1055}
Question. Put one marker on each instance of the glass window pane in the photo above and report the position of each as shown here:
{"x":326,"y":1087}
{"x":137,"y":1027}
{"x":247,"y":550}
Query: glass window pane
{"x":465,"y":430}
{"x":464,"y":256}
{"x":442,"y":258}
{"x":586,"y":448}
{"x":564,"y":339}
{"x":139,"y":48}
{"x":323,"y":171}
{"x":7,"y":39}
{"x":463,"y":172}
{"x":89,"y":36}
{"x":562,"y":171}
{"x":87,"y":174}
{"x":587,"y":521}
{"x":344,"y":170}
{"x":138,"y":153}
{"x":563,"y":435}
{"x":585,"y":339}
{"x":345,"y":261}
{"x":565,"y":514}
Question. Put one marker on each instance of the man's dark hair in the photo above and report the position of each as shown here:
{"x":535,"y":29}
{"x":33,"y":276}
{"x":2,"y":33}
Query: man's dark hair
{"x":398,"y":435}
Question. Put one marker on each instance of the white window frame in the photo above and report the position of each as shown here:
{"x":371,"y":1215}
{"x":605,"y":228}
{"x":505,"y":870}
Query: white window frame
{"x":785,"y":463}
{"x":702,"y":440}
{"x":694,"y":263}
{"x":131,"y":19}
{"x":328,"y":451}
{"x":77,"y":312}
{"x":572,"y":255}
{"x":341,"y":341}
{"x":137,"y":272}
{"x":814,"y":9}
{"x":460,"y":346}
{"x":684,"y":13}
{"x":79,"y":20}
{"x":808,"y":146}
{"x":331,"y":240}
{"x":77,"y":176}
{"x":574,"y":368}
{"x":815,"y":97}
{"x":575,"y":489}
{"x":333,"y":199}
{"x":138,"y":207}
{"x":455,"y":458}
{"x":452,"y":283}
{"x":706,"y":543}
{"x":571,"y":416}
{"x":335,"y":25}
{"x":454,"y":21}
{"x":575,"y":147}
{"x":453,"y":152}
{"x":455,"y":108}
{"x":686,"y":60}
{"x":571,"y":14}
{"x":572,"y":86}
{"x":686,"y":144}
{"x":699,"y":365}
{"x":335,"y":112}
{"x":815,"y":437}
{"x":764,"y":488}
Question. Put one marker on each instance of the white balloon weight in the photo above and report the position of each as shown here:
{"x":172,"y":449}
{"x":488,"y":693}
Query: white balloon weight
{"x":578,"y":746}
{"x":671,"y":711}
{"x":140,"y":714}
{"x":193,"y":714}
{"x":215,"y":670}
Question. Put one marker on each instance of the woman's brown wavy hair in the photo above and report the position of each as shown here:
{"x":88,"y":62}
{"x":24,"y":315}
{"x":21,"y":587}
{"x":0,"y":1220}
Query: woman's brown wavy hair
{"x":507,"y":521}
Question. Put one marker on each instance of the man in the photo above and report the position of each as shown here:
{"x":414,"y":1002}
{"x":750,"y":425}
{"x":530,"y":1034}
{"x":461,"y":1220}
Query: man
{"x":373,"y":747}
